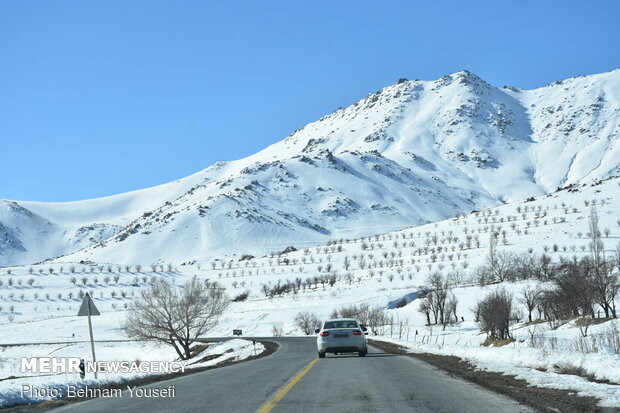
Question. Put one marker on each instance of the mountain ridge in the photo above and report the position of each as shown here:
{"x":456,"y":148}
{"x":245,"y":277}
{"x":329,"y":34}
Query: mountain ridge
{"x":411,"y":153}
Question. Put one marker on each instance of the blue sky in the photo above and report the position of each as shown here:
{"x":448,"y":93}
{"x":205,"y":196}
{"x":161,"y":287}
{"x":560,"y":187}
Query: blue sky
{"x":103,"y":97}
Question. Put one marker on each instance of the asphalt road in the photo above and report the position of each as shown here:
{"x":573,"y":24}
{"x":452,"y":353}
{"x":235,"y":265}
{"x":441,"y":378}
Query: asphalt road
{"x":379,"y":382}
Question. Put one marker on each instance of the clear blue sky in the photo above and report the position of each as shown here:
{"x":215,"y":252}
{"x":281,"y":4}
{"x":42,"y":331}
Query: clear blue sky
{"x":103,"y":97}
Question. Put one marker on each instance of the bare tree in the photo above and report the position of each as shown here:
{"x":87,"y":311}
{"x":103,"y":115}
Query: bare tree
{"x":529,"y":298}
{"x":574,"y":292}
{"x":176,"y":316}
{"x":277,"y":331}
{"x":616,"y":261}
{"x":501,"y":268}
{"x":492,"y":244}
{"x":605,"y":286}
{"x":346,"y":263}
{"x":307,"y":322}
{"x":494,"y":313}
{"x":525,"y":266}
{"x":597,"y":247}
{"x":378,"y":320}
{"x":451,"y":306}
{"x":438,"y":297}
{"x":604,"y":283}
{"x":425,"y":308}
{"x":373,"y":317}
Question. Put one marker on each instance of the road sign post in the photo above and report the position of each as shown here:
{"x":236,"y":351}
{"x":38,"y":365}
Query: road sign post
{"x":87,"y":309}
{"x":237,"y":332}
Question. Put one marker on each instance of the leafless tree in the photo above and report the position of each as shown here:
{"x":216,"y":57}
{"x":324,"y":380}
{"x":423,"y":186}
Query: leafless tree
{"x":346,"y":263}
{"x":451,"y":306}
{"x":425,"y":308}
{"x":525,"y":266}
{"x":604,"y":283}
{"x":438,"y":296}
{"x":377,"y":320}
{"x":501,"y":268}
{"x":307,"y":322}
{"x":494,"y":314}
{"x":529,"y":298}
{"x":584,"y":325}
{"x":597,"y":248}
{"x":373,"y":317}
{"x":573,"y":292}
{"x":605,"y":286}
{"x":176,"y":316}
{"x":277,"y":331}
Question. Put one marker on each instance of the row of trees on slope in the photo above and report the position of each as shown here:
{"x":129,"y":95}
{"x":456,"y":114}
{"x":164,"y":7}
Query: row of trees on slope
{"x":575,"y":287}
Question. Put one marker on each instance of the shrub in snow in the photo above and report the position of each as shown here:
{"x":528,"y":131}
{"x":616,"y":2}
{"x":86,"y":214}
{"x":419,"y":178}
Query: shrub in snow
{"x":494,"y":313}
{"x":277,"y":331}
{"x":307,"y":322}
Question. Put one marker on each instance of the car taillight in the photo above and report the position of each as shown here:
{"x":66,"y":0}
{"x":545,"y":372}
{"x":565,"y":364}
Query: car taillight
{"x":324,"y":333}
{"x":357,"y":333}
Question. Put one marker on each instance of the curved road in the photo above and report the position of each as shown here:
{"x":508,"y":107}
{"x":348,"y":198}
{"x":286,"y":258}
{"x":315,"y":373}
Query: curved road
{"x":380,"y":382}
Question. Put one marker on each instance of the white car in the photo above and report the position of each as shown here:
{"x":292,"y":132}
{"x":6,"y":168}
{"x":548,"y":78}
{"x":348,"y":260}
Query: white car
{"x":342,"y":335}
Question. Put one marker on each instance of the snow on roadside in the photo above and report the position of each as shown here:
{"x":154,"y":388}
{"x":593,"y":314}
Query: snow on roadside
{"x":525,"y":363}
{"x":11,"y":391}
{"x":234,"y":350}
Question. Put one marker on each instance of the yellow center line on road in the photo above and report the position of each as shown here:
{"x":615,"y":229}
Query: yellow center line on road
{"x":284,"y":391}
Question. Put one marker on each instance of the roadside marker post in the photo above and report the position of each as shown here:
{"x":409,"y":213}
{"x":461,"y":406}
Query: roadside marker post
{"x":88,"y":309}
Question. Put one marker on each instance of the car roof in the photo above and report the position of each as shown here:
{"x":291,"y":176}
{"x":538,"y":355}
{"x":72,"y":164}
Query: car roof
{"x":341,"y":319}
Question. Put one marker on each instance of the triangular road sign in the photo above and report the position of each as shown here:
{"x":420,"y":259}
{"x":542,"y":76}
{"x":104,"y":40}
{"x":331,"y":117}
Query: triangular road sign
{"x":88,"y":307}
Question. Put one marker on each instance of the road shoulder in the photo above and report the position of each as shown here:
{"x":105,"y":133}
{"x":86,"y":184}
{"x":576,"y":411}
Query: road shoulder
{"x":541,"y":399}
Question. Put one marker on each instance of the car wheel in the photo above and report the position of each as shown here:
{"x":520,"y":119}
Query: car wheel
{"x":335,"y":354}
{"x":362,"y":353}
{"x":321,"y":355}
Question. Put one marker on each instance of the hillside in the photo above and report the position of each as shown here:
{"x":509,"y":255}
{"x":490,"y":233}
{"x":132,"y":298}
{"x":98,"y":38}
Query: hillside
{"x":412,"y":153}
{"x":379,"y":270}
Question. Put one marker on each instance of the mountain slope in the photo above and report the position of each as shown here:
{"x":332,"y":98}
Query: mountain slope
{"x":411,"y":153}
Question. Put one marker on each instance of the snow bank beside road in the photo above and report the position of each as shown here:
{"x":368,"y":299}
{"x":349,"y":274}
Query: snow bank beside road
{"x":526,"y":363}
{"x":230,"y":350}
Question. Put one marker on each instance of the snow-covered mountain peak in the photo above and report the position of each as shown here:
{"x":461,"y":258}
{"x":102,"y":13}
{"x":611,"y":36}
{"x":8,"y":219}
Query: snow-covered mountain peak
{"x":413,"y":152}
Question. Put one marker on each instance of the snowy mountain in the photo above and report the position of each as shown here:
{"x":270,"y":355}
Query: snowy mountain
{"x":412,"y":153}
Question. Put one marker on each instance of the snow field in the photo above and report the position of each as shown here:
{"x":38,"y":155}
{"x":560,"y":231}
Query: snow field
{"x":373,"y":270}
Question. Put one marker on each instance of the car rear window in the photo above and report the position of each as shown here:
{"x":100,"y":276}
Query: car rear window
{"x":339,"y":324}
